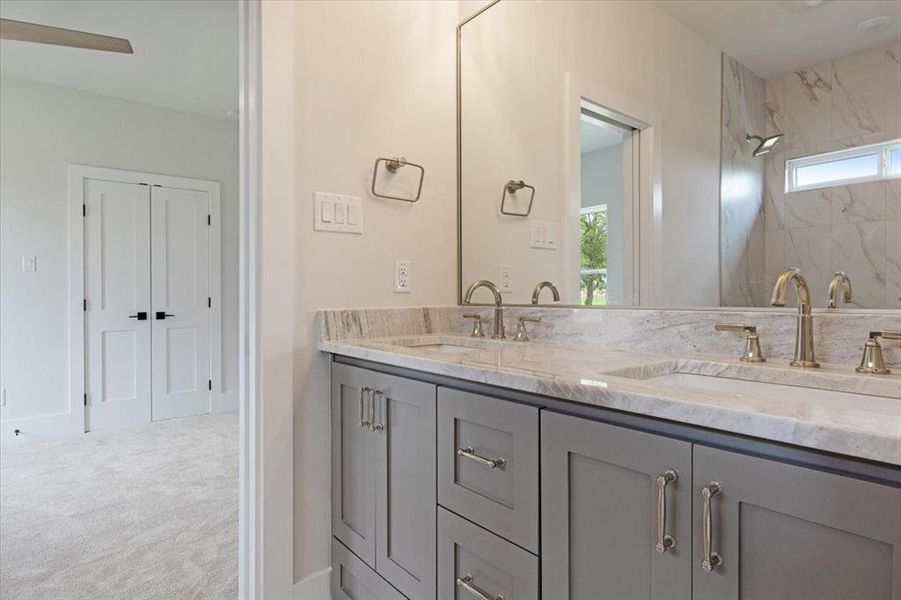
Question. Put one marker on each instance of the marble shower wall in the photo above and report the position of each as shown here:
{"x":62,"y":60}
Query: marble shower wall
{"x":846,"y":102}
{"x":742,"y":229}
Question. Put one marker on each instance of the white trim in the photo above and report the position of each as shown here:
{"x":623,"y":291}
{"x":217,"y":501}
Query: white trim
{"x":77,"y":175}
{"x":883,"y":149}
{"x":314,"y":587}
{"x":250,"y":478}
{"x":647,"y":224}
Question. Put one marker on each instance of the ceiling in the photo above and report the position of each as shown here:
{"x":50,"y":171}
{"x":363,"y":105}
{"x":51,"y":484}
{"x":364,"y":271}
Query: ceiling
{"x":777,"y":36}
{"x":185,"y":52}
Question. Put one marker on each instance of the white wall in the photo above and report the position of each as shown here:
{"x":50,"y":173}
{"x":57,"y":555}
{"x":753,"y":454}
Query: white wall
{"x":516,"y":57}
{"x":43,"y":128}
{"x":371,"y":79}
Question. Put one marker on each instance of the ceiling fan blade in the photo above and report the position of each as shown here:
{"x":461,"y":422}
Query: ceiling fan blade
{"x":57,"y":36}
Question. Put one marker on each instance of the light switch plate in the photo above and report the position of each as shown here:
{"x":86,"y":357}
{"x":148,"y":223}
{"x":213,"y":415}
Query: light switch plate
{"x":544,"y":235}
{"x":337,"y":213}
{"x":29,"y":264}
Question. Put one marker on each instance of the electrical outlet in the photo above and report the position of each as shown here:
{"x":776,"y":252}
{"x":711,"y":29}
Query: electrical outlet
{"x":403,"y":276}
{"x":506,"y":279}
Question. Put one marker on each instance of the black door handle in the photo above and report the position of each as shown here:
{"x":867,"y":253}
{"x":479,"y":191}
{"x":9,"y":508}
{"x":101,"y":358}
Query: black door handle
{"x":161,"y":315}
{"x":141,"y":316}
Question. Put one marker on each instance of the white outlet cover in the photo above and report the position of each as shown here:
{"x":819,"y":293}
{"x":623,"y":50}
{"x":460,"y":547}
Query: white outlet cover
{"x":506,"y":279}
{"x":403,"y":276}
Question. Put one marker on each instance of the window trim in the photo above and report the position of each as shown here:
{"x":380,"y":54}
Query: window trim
{"x":884,"y":150}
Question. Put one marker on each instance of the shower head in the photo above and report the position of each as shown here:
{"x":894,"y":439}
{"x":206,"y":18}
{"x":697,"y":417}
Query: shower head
{"x":764,"y":145}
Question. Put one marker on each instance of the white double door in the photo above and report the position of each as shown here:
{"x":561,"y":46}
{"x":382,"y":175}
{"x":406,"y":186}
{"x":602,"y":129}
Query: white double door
{"x":147,"y":318}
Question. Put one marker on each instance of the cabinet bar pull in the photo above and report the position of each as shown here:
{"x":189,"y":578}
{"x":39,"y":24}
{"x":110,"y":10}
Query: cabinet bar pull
{"x":470,"y":453}
{"x":373,"y":426}
{"x":664,"y":540}
{"x":465,"y":582}
{"x":711,"y":560}
{"x":363,"y":392}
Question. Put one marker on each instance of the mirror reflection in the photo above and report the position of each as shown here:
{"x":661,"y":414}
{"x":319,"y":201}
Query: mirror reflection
{"x":682,"y":153}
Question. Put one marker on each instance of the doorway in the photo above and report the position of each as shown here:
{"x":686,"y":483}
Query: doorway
{"x":150,"y":299}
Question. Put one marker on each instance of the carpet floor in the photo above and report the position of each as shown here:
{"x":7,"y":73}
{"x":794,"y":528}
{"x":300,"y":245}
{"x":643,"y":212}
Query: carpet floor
{"x":144,"y":513}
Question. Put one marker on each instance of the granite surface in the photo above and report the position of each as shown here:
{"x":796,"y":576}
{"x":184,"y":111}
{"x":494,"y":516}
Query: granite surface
{"x":864,"y":422}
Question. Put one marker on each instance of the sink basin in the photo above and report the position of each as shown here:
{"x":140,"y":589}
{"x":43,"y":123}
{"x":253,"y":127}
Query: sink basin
{"x":760,"y":389}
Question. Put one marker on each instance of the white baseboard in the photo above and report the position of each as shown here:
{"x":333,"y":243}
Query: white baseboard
{"x":314,"y":587}
{"x":38,"y":428}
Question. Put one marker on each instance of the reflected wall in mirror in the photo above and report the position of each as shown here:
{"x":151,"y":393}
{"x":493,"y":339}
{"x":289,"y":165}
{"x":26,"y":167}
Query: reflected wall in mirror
{"x":681,"y":153}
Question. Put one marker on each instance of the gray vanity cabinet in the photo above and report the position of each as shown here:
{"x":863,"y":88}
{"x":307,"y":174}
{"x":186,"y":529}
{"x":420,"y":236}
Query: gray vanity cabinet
{"x":352,"y":579}
{"x":783,"y":531}
{"x":600,"y":499}
{"x":383,"y":475}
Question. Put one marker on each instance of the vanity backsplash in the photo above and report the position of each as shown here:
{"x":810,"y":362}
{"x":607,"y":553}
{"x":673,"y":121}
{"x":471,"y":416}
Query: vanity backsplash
{"x":839,"y":337}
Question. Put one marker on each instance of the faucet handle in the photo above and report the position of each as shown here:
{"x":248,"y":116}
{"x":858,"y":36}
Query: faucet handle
{"x":521,"y":333}
{"x":872,"y":361}
{"x":752,"y":351}
{"x":476,"y":325}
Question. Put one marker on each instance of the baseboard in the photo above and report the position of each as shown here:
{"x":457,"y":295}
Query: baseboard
{"x":39,"y":428}
{"x":314,"y":587}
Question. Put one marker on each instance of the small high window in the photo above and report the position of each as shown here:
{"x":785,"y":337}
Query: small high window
{"x":854,"y":165}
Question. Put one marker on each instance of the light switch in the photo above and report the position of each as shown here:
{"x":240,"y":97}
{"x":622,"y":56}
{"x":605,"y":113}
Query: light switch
{"x":351,"y":215}
{"x":328,"y":211}
{"x":337,"y":213}
{"x":340,"y":210}
{"x":544,"y":235}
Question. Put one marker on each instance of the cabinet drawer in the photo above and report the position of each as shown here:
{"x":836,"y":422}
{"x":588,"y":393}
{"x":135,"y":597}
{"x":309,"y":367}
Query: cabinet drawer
{"x":352,"y":579}
{"x":474,"y":561}
{"x":474,"y":433}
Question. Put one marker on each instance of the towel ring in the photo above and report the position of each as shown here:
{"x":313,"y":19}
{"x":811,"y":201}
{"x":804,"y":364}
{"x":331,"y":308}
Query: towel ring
{"x":511,"y":187}
{"x":393,"y":165}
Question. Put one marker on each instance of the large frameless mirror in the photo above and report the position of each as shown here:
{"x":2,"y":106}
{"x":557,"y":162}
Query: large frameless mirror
{"x":680,"y":154}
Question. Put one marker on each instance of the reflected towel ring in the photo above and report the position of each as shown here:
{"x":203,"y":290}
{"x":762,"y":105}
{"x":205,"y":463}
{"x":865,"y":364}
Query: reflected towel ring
{"x":393,"y":165}
{"x":511,"y":187}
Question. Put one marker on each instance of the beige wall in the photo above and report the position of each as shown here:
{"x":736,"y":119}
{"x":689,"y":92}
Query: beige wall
{"x":516,"y":57}
{"x":370,"y":79}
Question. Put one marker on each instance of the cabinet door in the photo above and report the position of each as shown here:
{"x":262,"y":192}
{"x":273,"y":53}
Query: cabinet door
{"x":599,"y":502}
{"x":788,"y":532}
{"x":353,"y":463}
{"x":352,"y":579}
{"x":406,"y":483}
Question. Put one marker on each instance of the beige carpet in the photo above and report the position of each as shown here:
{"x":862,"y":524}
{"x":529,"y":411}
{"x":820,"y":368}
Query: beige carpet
{"x":144,"y":513}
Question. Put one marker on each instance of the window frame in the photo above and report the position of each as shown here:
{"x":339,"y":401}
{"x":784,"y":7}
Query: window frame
{"x":883,"y":149}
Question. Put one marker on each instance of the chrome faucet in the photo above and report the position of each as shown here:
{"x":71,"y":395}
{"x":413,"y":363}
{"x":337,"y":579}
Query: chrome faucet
{"x":804,"y":354}
{"x":498,"y":305}
{"x":545,"y":284}
{"x":839,"y":289}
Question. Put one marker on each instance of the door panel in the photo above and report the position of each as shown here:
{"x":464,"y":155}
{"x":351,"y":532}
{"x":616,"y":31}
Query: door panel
{"x":788,"y":532}
{"x":599,"y":499}
{"x":406,"y":524}
{"x":117,"y":285}
{"x":180,"y":310}
{"x":353,"y":462}
{"x":352,"y":579}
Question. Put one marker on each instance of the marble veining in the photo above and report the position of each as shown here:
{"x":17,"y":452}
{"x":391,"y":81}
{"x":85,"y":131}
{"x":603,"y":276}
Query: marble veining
{"x":612,"y":377}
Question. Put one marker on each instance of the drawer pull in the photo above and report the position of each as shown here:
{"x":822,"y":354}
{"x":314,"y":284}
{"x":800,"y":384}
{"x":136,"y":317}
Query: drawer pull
{"x":465,"y":582}
{"x":664,"y":540}
{"x":363,"y":393}
{"x":711,"y":560}
{"x":470,"y":453}
{"x":377,"y":427}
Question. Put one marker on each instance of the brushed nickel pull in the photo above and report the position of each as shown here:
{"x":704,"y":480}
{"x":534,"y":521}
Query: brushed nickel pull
{"x":470,"y":453}
{"x":664,"y":540}
{"x":465,"y":582}
{"x":711,"y":560}
{"x":363,"y":421}
{"x":377,"y":427}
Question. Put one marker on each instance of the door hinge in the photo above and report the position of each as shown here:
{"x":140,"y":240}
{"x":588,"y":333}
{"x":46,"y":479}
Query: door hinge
{"x":210,"y":384}
{"x":209,"y":219}
{"x":84,"y":210}
{"x":84,"y":305}
{"x":85,"y":399}
{"x":209,"y":302}
{"x":147,"y":184}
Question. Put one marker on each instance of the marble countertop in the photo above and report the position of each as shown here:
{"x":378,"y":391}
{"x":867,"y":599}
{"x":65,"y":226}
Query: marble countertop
{"x":866,"y":426}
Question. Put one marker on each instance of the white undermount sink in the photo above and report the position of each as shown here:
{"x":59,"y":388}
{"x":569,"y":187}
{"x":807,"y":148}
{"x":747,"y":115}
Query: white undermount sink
{"x":773,"y":391}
